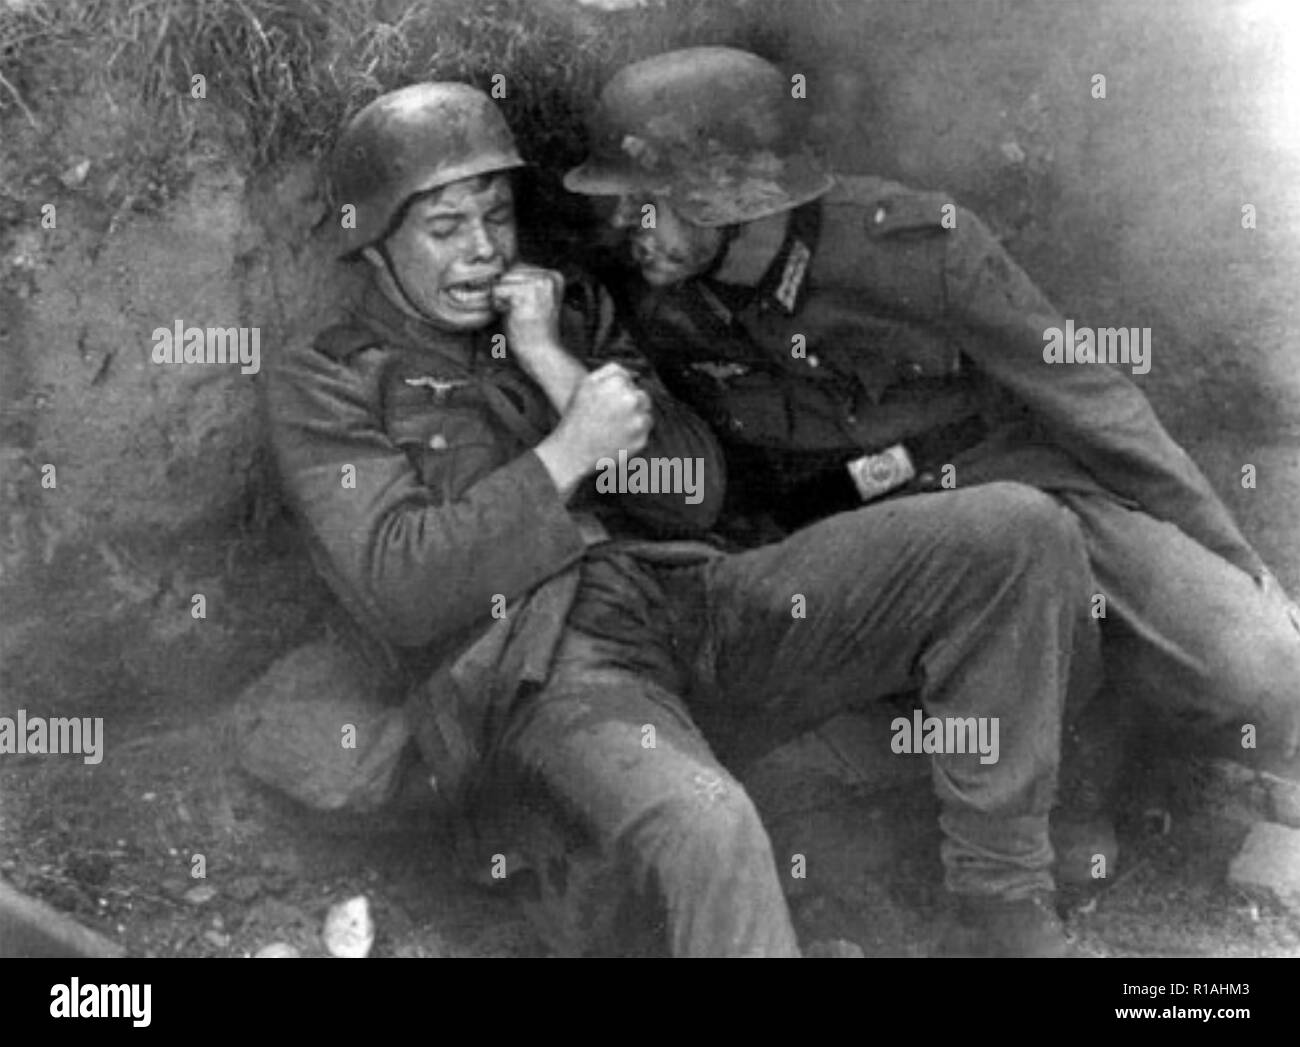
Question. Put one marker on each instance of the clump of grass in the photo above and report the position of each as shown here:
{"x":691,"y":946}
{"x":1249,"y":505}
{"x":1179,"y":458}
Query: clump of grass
{"x":292,"y":70}
{"x":282,"y":77}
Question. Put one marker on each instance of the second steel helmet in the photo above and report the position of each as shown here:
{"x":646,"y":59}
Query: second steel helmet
{"x":715,"y":130}
{"x":410,"y":141}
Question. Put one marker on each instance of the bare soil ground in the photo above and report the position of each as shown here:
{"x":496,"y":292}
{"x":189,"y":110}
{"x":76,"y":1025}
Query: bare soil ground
{"x":158,"y":226}
{"x":114,"y":847}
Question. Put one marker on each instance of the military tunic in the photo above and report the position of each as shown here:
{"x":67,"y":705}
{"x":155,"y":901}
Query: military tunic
{"x":406,"y":454}
{"x":879,"y":324}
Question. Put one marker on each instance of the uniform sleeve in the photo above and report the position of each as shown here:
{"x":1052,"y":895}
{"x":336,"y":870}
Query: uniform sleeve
{"x":678,"y":432}
{"x":1096,"y":413}
{"x":416,"y":567}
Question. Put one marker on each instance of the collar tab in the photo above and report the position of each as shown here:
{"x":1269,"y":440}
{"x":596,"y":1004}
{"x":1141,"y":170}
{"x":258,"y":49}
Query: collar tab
{"x":785,"y":284}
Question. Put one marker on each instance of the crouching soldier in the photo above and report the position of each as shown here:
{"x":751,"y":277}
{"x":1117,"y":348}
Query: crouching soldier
{"x":451,"y":453}
{"x":862,"y":341}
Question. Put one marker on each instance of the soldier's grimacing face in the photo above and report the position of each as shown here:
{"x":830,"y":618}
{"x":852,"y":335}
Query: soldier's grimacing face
{"x":669,"y":250}
{"x":452,"y":246}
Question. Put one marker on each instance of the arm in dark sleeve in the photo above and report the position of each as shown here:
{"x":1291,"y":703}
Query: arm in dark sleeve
{"x":415,"y":566}
{"x":1096,"y":413}
{"x":677,"y":432}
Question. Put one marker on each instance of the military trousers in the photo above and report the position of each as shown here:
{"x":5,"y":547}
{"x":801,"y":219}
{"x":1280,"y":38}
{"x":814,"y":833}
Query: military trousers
{"x":1183,"y":631}
{"x":977,"y":599}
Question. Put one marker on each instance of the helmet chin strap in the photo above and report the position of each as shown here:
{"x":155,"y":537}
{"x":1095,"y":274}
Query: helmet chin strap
{"x":397,"y":282}
{"x":729,"y":234}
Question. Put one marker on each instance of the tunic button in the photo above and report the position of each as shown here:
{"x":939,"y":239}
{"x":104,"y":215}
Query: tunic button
{"x":927,"y":479}
{"x":879,"y":216}
{"x":813,"y":361}
{"x":736,"y":425}
{"x":915,"y":368}
{"x":438,"y":442}
{"x":852,"y":419}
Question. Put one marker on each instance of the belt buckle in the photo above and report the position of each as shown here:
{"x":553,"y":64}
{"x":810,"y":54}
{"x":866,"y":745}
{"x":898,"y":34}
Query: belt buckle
{"x":877,"y":474}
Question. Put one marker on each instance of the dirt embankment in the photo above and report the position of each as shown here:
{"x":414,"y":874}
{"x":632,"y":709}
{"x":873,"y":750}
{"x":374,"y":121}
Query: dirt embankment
{"x":130,"y":488}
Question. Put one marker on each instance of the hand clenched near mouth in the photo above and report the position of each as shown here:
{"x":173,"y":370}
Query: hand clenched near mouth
{"x":530,"y":298}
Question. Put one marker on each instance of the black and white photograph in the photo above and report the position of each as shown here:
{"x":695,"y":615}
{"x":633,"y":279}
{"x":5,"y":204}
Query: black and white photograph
{"x":647,"y":479}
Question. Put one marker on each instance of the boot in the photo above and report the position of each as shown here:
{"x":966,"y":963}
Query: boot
{"x":1083,"y":837}
{"x":1082,"y":830}
{"x":987,"y":927}
{"x":833,"y":948}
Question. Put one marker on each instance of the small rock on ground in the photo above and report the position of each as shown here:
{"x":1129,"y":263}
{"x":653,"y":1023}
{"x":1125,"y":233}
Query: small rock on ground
{"x":349,"y":931}
{"x":1270,"y":859}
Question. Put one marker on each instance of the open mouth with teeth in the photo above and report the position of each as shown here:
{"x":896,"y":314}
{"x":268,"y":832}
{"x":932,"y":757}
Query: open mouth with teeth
{"x":472,"y":294}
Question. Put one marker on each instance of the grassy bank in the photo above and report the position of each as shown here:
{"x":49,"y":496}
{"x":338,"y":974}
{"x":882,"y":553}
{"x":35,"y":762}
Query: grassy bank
{"x":291,"y":70}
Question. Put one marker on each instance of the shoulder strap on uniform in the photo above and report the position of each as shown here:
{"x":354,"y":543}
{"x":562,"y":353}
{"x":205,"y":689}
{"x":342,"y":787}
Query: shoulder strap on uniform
{"x":891,"y":207}
{"x":343,"y":341}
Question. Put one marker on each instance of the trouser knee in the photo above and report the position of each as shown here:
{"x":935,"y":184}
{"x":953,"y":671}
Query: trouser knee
{"x":1029,"y":526}
{"x":701,"y":831}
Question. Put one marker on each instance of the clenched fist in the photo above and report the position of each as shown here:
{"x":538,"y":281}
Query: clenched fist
{"x":530,"y":298}
{"x":607,"y":414}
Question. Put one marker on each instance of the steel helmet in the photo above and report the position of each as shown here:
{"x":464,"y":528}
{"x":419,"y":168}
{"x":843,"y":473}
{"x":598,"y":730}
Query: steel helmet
{"x":410,"y":141}
{"x":715,"y":130}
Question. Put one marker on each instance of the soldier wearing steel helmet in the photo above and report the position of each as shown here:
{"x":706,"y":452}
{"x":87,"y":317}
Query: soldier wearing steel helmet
{"x":435,"y":442}
{"x":550,"y":648}
{"x":861,"y":341}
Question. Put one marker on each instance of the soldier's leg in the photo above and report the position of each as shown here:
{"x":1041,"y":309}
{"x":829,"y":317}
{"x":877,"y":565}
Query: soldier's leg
{"x":1186,"y":629}
{"x":619,"y":754}
{"x":977,"y":596}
